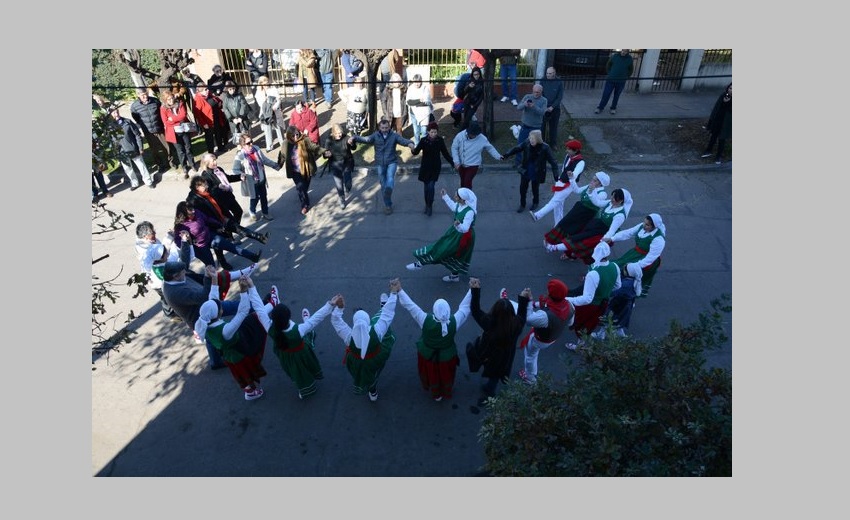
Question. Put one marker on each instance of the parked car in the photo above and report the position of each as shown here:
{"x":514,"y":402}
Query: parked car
{"x":581,"y":61}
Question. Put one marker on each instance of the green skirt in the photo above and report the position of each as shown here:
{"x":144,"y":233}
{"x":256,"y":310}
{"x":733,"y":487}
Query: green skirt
{"x":453,"y":250}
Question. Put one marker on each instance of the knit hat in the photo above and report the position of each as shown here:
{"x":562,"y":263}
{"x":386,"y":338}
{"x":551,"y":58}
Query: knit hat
{"x":557,"y":289}
{"x":433,"y":126}
{"x":573,"y":144}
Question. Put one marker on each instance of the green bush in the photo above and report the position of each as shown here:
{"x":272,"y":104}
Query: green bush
{"x":633,"y":408}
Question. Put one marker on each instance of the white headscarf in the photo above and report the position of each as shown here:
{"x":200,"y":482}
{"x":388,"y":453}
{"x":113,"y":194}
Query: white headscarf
{"x":360,"y":331}
{"x":469,"y":198}
{"x":602,"y":250}
{"x":656,"y":219}
{"x":635,"y":272}
{"x":627,"y":201}
{"x":604,"y":178}
{"x":443,"y":313}
{"x":208,"y":313}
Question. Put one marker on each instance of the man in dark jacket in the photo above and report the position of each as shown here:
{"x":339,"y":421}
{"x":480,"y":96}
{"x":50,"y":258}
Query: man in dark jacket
{"x":553,"y":91}
{"x":257,"y":64}
{"x":131,"y":146}
{"x":620,"y":67}
{"x":145,"y":112}
{"x":186,"y":296}
{"x":218,"y":79}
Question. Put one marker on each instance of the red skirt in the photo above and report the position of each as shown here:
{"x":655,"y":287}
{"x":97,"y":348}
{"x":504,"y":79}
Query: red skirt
{"x":587,"y":318}
{"x":438,"y":377}
{"x":248,"y":369}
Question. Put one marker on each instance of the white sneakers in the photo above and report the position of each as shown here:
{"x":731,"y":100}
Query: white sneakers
{"x":415,"y":266}
{"x":503,"y":294}
{"x":305,"y":313}
{"x":504,"y":99}
{"x":513,"y":102}
{"x":533,"y":216}
{"x":373,"y":397}
{"x":384,"y":298}
{"x":274,"y":296}
{"x":550,"y":248}
{"x":451,"y":278}
{"x":253,"y":393}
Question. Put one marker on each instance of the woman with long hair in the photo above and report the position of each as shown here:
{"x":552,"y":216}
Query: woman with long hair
{"x":298,"y":159}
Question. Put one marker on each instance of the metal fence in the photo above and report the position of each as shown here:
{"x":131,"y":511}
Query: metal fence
{"x":580,"y":68}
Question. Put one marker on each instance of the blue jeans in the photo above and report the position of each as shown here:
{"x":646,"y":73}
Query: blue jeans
{"x":508,"y":74}
{"x":327,"y":86}
{"x":223,"y":244}
{"x":228,"y":308}
{"x":611,"y":86}
{"x":386,"y":174}
{"x":419,"y":131}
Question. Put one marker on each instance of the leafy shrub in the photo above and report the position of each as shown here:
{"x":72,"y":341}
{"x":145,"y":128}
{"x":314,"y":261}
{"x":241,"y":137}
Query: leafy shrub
{"x":634,"y":408}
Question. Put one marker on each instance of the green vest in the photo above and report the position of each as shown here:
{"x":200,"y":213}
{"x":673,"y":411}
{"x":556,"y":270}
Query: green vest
{"x":643,"y":243}
{"x":460,"y":215}
{"x":607,"y":279}
{"x":433,"y":345}
{"x":215,"y":335}
{"x":607,"y":218}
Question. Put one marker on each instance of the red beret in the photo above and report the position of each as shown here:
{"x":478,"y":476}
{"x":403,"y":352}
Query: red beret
{"x":557,"y":289}
{"x":573,"y":144}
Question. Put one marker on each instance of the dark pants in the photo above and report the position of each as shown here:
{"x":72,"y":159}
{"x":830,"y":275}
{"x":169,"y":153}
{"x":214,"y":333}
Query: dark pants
{"x":302,"y":186}
{"x":97,"y":177}
{"x":262,"y":196}
{"x":721,"y":145}
{"x":429,"y":192}
{"x":466,"y":175}
{"x":342,"y":180}
{"x":550,"y":127}
{"x":611,"y":86}
{"x":184,"y":151}
{"x":523,"y":189}
{"x":163,"y":152}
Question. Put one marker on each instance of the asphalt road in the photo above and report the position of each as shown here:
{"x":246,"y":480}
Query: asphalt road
{"x":157,"y":410}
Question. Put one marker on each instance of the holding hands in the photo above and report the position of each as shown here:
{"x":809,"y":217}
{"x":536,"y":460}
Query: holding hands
{"x":474,"y":283}
{"x":338,"y":301}
{"x":395,"y":285}
{"x":210,"y":271}
{"x":527,"y":293}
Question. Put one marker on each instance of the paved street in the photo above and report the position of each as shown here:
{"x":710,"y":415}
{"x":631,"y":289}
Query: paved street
{"x":157,"y":410}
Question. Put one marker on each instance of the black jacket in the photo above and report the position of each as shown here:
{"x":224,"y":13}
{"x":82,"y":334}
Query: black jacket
{"x":497,"y":351}
{"x":216,"y":83}
{"x":259,"y":65}
{"x":429,"y":168}
{"x":341,"y":157}
{"x":541,"y":155}
{"x":131,"y":138}
{"x":147,"y":116}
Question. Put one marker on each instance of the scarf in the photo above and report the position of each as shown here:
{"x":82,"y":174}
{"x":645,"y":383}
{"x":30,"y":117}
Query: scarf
{"x":222,"y":178}
{"x":214,"y":204}
{"x":253,"y":161}
{"x":442,"y":313}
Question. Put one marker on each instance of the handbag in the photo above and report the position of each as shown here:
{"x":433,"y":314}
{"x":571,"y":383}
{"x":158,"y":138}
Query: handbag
{"x":473,"y":355}
{"x":187,"y":127}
